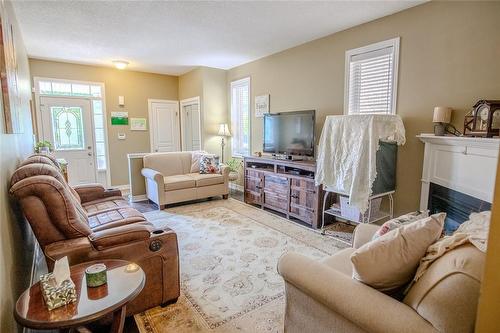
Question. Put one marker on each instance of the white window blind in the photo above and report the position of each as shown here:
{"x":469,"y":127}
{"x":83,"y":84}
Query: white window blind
{"x":240,"y":117}
{"x":371,"y":78}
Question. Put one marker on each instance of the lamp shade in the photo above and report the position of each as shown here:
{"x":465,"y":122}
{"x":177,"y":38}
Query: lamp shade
{"x":442,"y":114}
{"x":223,"y":130}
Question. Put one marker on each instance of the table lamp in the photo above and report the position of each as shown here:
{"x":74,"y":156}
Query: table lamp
{"x":223,"y":132}
{"x":441,"y":118}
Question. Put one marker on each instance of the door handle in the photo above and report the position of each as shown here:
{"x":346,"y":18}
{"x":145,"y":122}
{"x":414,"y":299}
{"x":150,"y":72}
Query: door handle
{"x":90,"y":154}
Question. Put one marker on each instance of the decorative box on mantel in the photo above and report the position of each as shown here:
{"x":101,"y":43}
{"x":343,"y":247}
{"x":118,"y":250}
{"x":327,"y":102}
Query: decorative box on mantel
{"x":458,"y":175}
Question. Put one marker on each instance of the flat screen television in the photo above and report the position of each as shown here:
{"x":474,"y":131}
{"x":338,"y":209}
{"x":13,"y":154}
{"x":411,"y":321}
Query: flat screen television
{"x":290,"y":133}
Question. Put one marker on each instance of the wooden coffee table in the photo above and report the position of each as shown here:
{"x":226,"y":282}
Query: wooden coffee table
{"x":125,"y":282}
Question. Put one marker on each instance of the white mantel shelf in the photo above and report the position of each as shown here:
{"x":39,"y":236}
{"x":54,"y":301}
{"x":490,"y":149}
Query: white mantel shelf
{"x":464,"y":164}
{"x":450,"y":140}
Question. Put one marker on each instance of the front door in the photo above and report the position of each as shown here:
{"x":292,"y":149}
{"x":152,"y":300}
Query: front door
{"x":164,"y":125}
{"x":67,"y":124}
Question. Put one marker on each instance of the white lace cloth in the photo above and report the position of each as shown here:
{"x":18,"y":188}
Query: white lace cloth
{"x":347,"y":153}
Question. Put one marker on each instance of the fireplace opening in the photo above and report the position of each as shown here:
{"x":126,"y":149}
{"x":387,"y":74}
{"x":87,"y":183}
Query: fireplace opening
{"x":457,"y":206}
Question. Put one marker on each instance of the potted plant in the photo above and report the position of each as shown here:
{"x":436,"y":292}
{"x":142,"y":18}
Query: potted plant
{"x":234,"y":166}
{"x":43,"y":147}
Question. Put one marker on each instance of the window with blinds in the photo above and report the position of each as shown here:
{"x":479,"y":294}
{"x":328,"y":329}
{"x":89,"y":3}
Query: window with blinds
{"x":371,"y":78}
{"x":240,"y":117}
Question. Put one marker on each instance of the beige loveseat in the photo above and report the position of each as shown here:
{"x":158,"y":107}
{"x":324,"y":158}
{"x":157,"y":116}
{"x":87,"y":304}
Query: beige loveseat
{"x":169,"y":179}
{"x":322,"y":297}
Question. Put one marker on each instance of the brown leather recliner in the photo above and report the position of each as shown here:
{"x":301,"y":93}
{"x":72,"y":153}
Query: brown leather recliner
{"x":90,"y":223}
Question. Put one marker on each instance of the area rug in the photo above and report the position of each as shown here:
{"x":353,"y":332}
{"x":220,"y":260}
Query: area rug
{"x":228,"y":257}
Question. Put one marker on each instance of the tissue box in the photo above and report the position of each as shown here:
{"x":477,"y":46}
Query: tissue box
{"x":57,"y":296}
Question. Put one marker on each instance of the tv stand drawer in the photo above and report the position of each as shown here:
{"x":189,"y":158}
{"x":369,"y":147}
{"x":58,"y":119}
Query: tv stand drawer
{"x":276,"y":201}
{"x":276,"y":184}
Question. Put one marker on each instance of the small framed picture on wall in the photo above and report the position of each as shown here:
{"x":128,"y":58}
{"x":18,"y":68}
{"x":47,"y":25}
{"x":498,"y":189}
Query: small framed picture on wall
{"x":261,"y":105}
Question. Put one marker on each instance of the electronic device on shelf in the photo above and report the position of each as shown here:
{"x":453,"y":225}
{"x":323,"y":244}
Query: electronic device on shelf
{"x":287,"y":157}
{"x":289,"y":135}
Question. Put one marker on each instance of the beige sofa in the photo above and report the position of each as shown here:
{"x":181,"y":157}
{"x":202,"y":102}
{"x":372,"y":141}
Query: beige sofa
{"x":322,"y":296}
{"x":169,"y":179}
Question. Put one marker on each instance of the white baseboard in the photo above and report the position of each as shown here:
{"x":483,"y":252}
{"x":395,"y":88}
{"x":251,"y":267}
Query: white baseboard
{"x":236,"y":187}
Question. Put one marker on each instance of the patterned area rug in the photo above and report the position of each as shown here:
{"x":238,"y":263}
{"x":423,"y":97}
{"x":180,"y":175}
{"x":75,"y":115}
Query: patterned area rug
{"x":228,"y":257}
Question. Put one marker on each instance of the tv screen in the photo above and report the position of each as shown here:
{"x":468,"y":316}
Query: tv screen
{"x":290,"y":133}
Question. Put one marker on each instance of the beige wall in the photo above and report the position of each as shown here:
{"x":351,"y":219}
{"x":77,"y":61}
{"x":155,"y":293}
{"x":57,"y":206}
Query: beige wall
{"x":191,"y":84}
{"x":210,"y":85}
{"x":16,"y":242}
{"x":449,"y":55}
{"x":215,"y":108}
{"x":136,"y":87}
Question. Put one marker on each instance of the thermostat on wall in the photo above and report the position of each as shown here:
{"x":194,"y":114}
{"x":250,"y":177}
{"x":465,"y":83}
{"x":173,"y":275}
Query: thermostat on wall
{"x":121,"y":136}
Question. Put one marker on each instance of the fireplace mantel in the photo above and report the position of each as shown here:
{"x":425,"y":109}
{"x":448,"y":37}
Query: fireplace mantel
{"x":464,"y":164}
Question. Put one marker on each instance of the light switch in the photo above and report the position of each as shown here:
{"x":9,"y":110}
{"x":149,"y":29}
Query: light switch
{"x":121,"y":136}
{"x":121,"y":100}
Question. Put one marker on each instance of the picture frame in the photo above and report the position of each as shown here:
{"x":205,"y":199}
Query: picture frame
{"x":138,"y":124}
{"x":11,"y":104}
{"x":261,"y":105}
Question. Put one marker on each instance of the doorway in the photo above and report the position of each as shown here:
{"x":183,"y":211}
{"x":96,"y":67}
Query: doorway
{"x":67,"y":125}
{"x":191,"y":124}
{"x":164,"y":125}
{"x":78,"y":108}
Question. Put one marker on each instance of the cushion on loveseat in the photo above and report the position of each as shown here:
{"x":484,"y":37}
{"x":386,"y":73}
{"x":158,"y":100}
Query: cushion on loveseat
{"x":448,"y":292}
{"x":341,"y":261}
{"x":207,"y":179}
{"x":178,"y":182}
{"x":169,"y":164}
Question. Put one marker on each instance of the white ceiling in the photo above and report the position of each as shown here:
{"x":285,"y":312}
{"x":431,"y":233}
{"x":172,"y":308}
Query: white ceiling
{"x":173,"y":37}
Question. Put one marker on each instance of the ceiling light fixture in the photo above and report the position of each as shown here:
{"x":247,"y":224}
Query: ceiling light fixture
{"x":120,"y":64}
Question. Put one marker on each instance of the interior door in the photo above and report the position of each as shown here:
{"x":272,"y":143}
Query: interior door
{"x":164,"y":124}
{"x":191,"y":127}
{"x":67,"y":124}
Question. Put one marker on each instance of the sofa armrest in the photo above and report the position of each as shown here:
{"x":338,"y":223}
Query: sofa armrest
{"x":155,"y":185}
{"x":353,"y":300}
{"x":224,"y":170}
{"x":152,"y":174}
{"x":120,"y":235}
{"x":363,"y":233}
{"x":91,"y":192}
{"x":135,"y":248}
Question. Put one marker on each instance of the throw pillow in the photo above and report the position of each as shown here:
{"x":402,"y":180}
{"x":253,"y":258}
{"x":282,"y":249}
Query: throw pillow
{"x":389,"y":262}
{"x":399,"y":222}
{"x":195,"y":160}
{"x":208,"y":164}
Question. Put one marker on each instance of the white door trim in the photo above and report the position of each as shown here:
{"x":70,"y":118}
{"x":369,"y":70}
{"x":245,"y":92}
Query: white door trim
{"x":190,"y":101}
{"x":150,"y":116}
{"x":38,"y":114}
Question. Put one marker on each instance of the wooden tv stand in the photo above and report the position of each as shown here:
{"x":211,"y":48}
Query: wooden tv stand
{"x":284,"y":186}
